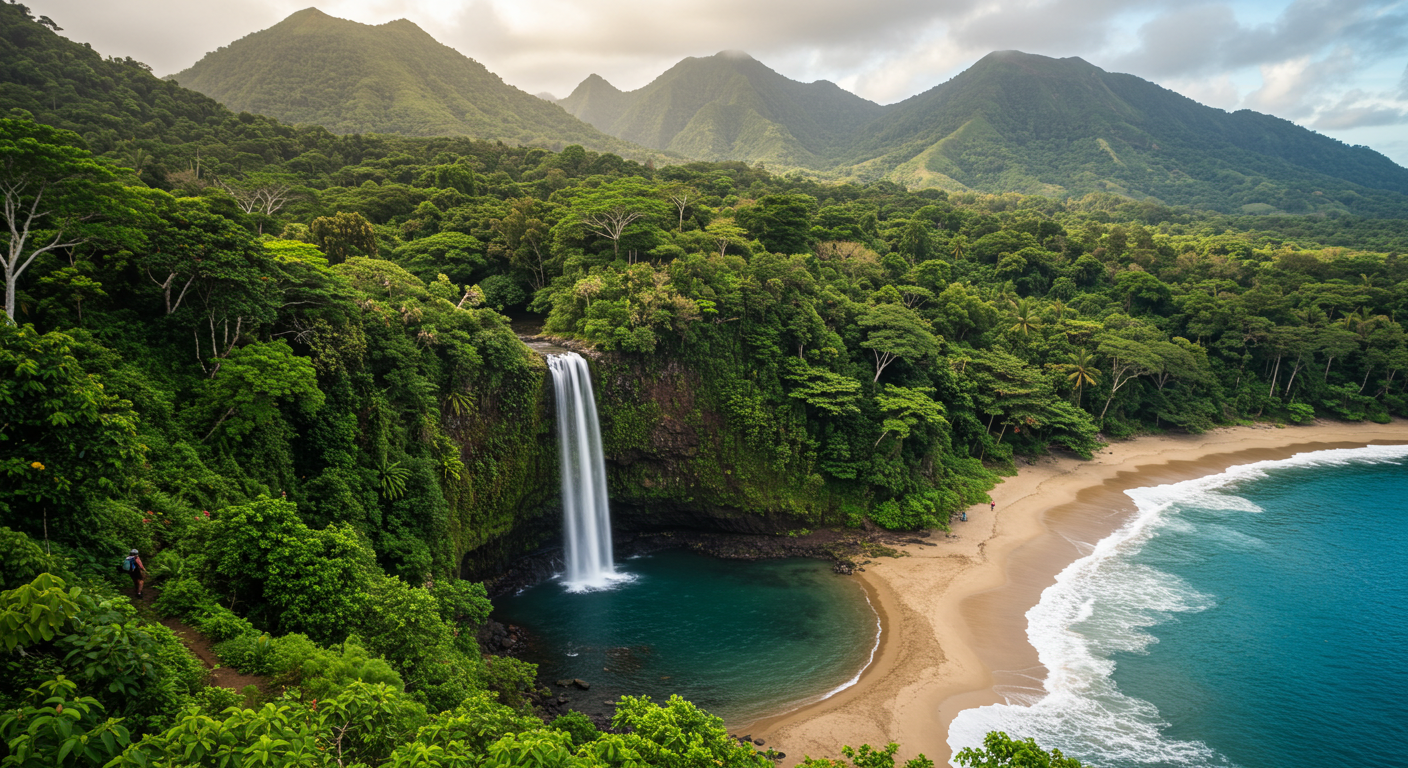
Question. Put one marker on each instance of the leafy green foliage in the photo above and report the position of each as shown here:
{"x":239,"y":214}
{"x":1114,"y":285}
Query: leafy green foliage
{"x":54,"y":195}
{"x":252,"y":382}
{"x":678,"y":734}
{"x":342,"y":235}
{"x":867,"y":757}
{"x":61,"y":729}
{"x":296,"y":578}
{"x":35,"y":612}
{"x":1002,"y":751}
{"x":25,"y":560}
{"x":63,"y":436}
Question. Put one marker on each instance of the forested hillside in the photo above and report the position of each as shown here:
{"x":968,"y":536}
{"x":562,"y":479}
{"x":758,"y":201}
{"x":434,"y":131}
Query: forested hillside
{"x":728,"y":107}
{"x":1024,"y":123}
{"x":1013,"y":122}
{"x":277,"y":362}
{"x":393,"y":78}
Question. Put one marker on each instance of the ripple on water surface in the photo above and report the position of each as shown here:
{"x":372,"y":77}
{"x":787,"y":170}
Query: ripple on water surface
{"x":743,"y":640}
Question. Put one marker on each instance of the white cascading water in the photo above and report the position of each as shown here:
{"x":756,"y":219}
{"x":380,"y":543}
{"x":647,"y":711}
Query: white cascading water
{"x":586,"y":517}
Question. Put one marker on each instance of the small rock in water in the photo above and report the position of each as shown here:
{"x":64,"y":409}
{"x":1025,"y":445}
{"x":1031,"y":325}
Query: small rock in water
{"x":580,"y":683}
{"x":564,"y":683}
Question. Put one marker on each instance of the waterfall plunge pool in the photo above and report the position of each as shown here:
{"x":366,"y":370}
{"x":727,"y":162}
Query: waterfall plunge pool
{"x":743,"y":640}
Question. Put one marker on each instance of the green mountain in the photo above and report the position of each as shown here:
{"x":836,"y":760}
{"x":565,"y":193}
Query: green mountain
{"x":727,"y":107}
{"x":1016,"y":122}
{"x":392,"y":78}
{"x":1013,"y":122}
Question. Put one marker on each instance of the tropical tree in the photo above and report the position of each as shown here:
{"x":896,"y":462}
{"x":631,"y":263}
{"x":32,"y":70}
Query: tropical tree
{"x":905,"y":408}
{"x":1024,"y":315}
{"x":894,"y":331}
{"x":1082,"y":371}
{"x":247,"y":388}
{"x":343,"y":235}
{"x":1129,"y":359}
{"x":782,"y":222}
{"x":53,"y":195}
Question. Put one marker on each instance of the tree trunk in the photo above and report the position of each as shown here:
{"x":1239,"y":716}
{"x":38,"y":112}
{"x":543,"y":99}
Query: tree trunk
{"x":227,"y":415}
{"x":1274,"y":375}
{"x":1108,"y":400}
{"x":1294,"y":370}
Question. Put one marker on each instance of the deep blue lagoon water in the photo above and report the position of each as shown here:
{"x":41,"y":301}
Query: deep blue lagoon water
{"x":743,"y":640}
{"x":1256,"y":618}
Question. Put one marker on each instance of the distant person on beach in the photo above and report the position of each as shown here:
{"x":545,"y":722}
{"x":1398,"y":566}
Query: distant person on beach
{"x":134,"y":567}
{"x":965,"y":516}
{"x":992,"y":506}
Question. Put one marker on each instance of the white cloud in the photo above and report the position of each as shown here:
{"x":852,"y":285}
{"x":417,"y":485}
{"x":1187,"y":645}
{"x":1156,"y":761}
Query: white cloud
{"x":1221,"y":91}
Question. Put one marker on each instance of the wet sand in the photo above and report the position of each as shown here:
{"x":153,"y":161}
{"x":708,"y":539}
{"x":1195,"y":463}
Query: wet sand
{"x":954,"y":615}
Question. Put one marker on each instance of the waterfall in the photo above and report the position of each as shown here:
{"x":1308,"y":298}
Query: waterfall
{"x":586,"y":518}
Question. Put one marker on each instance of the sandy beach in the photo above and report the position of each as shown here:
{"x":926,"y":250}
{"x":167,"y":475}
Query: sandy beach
{"x":953,"y":615}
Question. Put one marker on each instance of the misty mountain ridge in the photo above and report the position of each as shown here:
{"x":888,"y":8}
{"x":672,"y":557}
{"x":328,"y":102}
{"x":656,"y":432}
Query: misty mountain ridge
{"x":729,"y":106}
{"x":390,"y":78}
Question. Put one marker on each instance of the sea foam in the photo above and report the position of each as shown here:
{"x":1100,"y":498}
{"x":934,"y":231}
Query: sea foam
{"x":1103,"y":604}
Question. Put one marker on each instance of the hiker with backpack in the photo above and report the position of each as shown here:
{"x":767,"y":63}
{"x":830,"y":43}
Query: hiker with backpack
{"x":134,"y":568}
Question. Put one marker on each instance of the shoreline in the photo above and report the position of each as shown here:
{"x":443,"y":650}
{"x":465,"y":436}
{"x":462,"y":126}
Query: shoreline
{"x":953,"y":615}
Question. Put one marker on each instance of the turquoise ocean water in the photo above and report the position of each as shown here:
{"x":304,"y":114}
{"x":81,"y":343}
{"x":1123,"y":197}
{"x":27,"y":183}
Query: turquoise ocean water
{"x":741,"y":639}
{"x":1255,"y":618}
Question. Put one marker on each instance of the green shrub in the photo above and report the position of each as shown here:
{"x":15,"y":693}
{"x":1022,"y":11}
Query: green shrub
{"x":1300,"y":413}
{"x":24,"y":560}
{"x":183,"y":598}
{"x":247,"y":653}
{"x":220,"y":623}
{"x":578,"y":725}
{"x":212,"y":700}
{"x":167,"y":565}
{"x":511,"y":679}
{"x":321,"y":673}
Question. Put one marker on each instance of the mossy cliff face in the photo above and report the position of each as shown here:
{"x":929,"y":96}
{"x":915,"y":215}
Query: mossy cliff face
{"x":688,"y":447}
{"x":506,"y":502}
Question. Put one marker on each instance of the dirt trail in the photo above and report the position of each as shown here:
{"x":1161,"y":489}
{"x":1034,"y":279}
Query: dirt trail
{"x":200,"y":645}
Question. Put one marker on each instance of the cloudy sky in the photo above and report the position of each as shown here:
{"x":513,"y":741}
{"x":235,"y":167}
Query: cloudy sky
{"x":1337,"y":66}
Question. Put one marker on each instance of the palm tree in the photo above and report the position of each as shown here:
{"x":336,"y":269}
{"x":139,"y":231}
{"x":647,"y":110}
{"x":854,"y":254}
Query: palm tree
{"x":1025,"y":315}
{"x":1082,"y":371}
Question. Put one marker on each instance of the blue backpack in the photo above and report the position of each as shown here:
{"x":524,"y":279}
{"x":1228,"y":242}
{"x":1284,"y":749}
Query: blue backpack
{"x":129,"y":564}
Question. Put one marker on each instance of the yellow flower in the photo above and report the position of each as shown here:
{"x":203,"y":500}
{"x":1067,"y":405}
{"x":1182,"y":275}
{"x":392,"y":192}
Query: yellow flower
{"x":37,"y":465}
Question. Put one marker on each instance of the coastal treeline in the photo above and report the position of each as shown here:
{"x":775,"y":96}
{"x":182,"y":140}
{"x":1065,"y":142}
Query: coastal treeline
{"x":278,"y":362}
